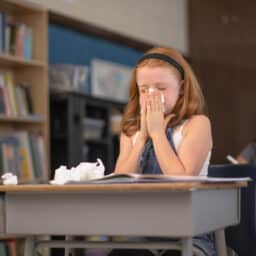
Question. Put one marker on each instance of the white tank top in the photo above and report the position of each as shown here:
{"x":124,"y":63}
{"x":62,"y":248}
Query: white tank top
{"x":177,"y":139}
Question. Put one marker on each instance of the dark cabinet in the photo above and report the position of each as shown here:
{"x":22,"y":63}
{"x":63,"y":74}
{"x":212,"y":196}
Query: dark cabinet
{"x":81,"y":130}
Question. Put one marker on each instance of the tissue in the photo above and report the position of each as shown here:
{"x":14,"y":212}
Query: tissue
{"x":82,"y":172}
{"x":88,"y":171}
{"x":151,"y":90}
{"x":9,"y":179}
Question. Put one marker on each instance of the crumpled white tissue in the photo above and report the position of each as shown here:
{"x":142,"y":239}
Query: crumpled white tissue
{"x":151,"y":90}
{"x":9,"y":179}
{"x":84,"y":171}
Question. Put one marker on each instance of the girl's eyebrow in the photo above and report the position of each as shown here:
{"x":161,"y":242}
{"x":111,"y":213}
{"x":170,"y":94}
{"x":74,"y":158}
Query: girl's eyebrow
{"x":142,"y":85}
{"x":160,"y":84}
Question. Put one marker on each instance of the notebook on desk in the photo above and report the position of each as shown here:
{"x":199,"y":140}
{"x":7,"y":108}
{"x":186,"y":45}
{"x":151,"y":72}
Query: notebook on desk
{"x":155,"y":178}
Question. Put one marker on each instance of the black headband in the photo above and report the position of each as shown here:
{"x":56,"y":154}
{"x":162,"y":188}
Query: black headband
{"x":164,"y":58}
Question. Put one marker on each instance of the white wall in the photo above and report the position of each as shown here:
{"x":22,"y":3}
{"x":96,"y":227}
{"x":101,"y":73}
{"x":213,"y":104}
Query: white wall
{"x":161,"y":22}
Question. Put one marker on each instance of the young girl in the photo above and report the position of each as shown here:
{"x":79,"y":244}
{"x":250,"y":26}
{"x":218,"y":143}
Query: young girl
{"x":165,"y":110}
{"x":164,"y":129}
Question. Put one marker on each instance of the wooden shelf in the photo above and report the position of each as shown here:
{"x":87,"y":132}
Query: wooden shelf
{"x":10,"y":61}
{"x":10,"y":237}
{"x":20,"y":7}
{"x":29,"y":119}
{"x":92,"y":100}
{"x":62,"y":136}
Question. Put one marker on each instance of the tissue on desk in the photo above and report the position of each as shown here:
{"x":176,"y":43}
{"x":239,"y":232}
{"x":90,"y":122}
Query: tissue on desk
{"x":84,"y":171}
{"x":9,"y":179}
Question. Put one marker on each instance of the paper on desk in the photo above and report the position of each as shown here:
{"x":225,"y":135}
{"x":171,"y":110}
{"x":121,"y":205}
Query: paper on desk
{"x":156,"y":178}
{"x":83,"y":172}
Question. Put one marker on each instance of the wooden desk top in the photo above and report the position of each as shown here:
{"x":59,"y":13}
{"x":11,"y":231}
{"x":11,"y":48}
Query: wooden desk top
{"x":179,"y":186}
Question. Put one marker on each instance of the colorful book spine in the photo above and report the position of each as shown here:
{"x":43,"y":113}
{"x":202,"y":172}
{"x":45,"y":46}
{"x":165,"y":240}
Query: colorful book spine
{"x":2,"y":32}
{"x":11,"y":91}
{"x":27,"y":51}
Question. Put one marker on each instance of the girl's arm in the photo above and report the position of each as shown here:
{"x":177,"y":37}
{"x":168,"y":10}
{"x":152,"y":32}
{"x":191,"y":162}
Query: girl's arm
{"x":241,"y":160}
{"x":129,"y":156}
{"x":192,"y":152}
{"x":247,"y":155}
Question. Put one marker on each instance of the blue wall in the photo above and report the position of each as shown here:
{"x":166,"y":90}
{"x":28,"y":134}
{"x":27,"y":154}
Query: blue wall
{"x":71,"y":47}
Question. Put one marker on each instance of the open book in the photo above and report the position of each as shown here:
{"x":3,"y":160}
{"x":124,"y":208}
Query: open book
{"x":154,"y":178}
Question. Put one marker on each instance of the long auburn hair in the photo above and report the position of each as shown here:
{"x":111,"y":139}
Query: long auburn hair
{"x":189,"y":103}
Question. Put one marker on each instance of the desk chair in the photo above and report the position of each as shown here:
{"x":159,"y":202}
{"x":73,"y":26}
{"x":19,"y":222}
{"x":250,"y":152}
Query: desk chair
{"x":241,"y":238}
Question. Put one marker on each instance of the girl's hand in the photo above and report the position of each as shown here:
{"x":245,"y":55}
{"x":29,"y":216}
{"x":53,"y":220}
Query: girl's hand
{"x":155,"y":116}
{"x":143,"y":134}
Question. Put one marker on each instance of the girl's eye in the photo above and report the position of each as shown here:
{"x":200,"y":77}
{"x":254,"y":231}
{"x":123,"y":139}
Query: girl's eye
{"x":142,"y":90}
{"x":161,"y":89}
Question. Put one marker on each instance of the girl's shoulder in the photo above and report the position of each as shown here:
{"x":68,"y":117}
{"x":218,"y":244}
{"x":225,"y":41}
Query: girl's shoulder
{"x":198,"y":122}
{"x":199,"y":118}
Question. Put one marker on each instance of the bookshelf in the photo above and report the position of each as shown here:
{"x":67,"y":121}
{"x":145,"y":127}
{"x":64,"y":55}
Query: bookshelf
{"x":14,"y":62}
{"x":24,"y":98}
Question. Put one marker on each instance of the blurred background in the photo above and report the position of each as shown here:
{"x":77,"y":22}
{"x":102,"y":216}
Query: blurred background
{"x":65,"y":68}
{"x":217,"y":38}
{"x":89,"y":48}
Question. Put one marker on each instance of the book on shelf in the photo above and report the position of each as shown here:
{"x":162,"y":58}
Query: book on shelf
{"x":2,"y":31}
{"x":116,"y":178}
{"x":23,"y":154}
{"x":3,"y":248}
{"x":15,"y":99}
{"x":15,"y":38}
{"x":11,"y":246}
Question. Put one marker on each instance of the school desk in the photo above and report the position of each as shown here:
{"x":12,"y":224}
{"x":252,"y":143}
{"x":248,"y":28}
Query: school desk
{"x":178,"y":210}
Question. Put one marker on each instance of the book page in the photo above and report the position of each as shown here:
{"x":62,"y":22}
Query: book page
{"x":156,"y":178}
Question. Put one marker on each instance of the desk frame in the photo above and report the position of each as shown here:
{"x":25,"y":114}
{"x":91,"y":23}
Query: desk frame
{"x":183,"y":210}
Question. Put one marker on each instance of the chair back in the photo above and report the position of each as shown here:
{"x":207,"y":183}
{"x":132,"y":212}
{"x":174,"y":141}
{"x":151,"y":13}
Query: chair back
{"x":242,"y":237}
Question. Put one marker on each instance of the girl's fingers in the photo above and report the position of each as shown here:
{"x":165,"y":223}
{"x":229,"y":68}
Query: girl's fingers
{"x":148,"y":108}
{"x":143,"y":107}
{"x":150,"y":103}
{"x":143,"y":112}
{"x":156,"y":102}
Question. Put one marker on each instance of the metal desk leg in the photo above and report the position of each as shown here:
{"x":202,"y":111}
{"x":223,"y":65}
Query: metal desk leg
{"x":220,"y":242}
{"x":69,"y":251}
{"x":29,"y":249}
{"x":186,"y":246}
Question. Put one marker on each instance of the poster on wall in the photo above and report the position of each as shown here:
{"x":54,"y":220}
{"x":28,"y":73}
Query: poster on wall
{"x":110,"y":80}
{"x":63,"y":77}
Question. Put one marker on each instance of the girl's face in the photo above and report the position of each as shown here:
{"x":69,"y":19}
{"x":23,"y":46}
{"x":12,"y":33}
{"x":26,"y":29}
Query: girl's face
{"x":162,"y":79}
